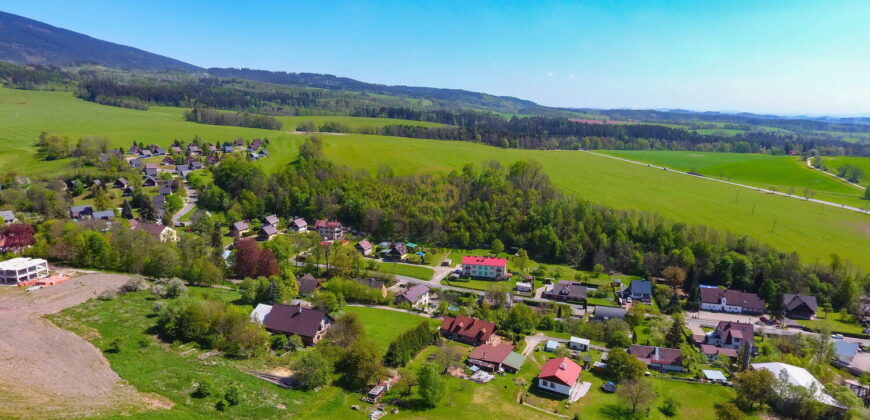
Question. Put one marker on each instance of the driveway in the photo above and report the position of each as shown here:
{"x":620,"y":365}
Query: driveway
{"x":49,"y":372}
{"x":190,"y":202}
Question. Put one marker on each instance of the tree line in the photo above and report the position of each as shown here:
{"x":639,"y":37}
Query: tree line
{"x":239,"y":119}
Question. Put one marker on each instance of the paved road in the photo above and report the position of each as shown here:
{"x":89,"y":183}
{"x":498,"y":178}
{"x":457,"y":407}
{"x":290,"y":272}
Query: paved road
{"x":190,"y":203}
{"x":827,"y":203}
{"x":696,"y":320}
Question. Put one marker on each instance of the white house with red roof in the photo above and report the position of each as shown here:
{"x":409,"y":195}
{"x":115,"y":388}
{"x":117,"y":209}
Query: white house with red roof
{"x":561,"y":376}
{"x":329,"y":230}
{"x":484,"y":267}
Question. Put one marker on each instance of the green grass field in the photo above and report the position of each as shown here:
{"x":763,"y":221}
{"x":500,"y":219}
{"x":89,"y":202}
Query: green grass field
{"x":417,"y":272}
{"x":383,"y":326}
{"x":791,"y":225}
{"x":834,"y":162}
{"x":785,"y":173}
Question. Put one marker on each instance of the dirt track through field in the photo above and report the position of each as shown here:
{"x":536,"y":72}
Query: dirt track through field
{"x":48,"y":372}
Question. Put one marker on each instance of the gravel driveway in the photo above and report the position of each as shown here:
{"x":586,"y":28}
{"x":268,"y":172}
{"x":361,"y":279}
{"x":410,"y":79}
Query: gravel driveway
{"x":48,"y":372}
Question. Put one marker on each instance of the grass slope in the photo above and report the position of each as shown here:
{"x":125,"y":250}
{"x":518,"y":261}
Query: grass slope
{"x":383,"y":326}
{"x":812,"y":230}
{"x":785,"y":173}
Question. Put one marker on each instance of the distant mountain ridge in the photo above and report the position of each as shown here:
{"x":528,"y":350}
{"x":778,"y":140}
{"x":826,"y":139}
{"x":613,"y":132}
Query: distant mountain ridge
{"x":26,"y":41}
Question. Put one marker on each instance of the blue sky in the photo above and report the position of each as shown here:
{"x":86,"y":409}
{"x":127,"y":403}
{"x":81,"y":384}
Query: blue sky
{"x":785,"y":57}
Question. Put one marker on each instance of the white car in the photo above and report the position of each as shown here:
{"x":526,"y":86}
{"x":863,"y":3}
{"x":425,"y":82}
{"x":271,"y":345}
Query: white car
{"x":837,"y":336}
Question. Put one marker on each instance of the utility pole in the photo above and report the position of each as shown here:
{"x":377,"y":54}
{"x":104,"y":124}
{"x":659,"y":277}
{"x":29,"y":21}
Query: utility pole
{"x":774,"y":226}
{"x":753,"y":209}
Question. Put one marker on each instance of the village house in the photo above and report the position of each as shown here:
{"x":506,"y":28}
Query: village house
{"x":17,"y":270}
{"x":299,"y":225}
{"x":103,"y":215}
{"x":731,"y":335}
{"x":255,"y":144}
{"x":268,"y":232}
{"x":182,"y":170}
{"x":375,"y":284}
{"x":577,"y":343}
{"x":150,"y":172}
{"x":329,"y":230}
{"x":135,"y":163}
{"x":121,"y":183}
{"x":228,"y":148}
{"x":239,"y":143}
{"x":712,"y":352}
{"x":727,"y":300}
{"x":176,"y":150}
{"x":484,"y":267}
{"x":308,"y":284}
{"x":239,"y":228}
{"x":164,"y":190}
{"x":496,"y":358}
{"x":364,"y":247}
{"x":149,"y":182}
{"x":566,"y":291}
{"x":8,"y":216}
{"x":196,"y":165}
{"x":468,"y":330}
{"x":134,"y":150}
{"x":80,"y":212}
{"x":159,"y":203}
{"x":162,"y":232}
{"x":271,"y":220}
{"x":417,"y":296}
{"x":659,"y":358}
{"x":193,"y":149}
{"x":799,"y":306}
{"x":145,"y":153}
{"x":309,"y":324}
{"x":561,"y":376}
{"x":524,"y":287}
{"x":604,"y":313}
{"x":639,"y":290}
{"x":397,"y":252}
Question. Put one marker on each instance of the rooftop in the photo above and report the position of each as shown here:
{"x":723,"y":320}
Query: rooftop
{"x":487,"y":261}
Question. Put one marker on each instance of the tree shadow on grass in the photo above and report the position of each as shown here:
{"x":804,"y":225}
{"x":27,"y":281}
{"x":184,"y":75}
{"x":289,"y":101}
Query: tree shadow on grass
{"x":618,"y":412}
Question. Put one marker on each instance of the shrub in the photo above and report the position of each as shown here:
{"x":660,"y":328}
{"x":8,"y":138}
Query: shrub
{"x":221,"y":405}
{"x":135,"y":284}
{"x":158,"y":290}
{"x":175,"y":288}
{"x":279,"y":342}
{"x":108,"y":295}
{"x":232,"y":395}
{"x":203,"y":389}
{"x":158,"y":306}
{"x":670,"y":406}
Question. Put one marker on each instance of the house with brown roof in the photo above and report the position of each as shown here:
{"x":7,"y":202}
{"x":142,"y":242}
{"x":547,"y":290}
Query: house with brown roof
{"x":799,"y":306}
{"x":566,"y":291}
{"x":376,"y":284}
{"x":468,"y":330}
{"x":149,"y":182}
{"x":659,"y":358}
{"x":364,"y":247}
{"x":309,"y":324}
{"x":561,"y":376}
{"x":299,"y":225}
{"x":239,"y":228}
{"x":161,"y":232}
{"x":732,"y":335}
{"x":397,"y":252}
{"x":268,"y":232}
{"x":307,"y":284}
{"x":728,"y":300}
{"x":271,"y":220}
{"x":491,"y":357}
{"x":712,"y":352}
{"x":121,"y":183}
{"x":417,"y":296}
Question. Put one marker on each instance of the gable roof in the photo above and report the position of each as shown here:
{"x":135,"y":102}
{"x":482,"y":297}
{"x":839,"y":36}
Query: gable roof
{"x":105,"y":214}
{"x":487,"y":261}
{"x":299,"y":222}
{"x":561,"y":370}
{"x":468,"y":327}
{"x":240,"y":226}
{"x":514,"y":360}
{"x":792,"y":301}
{"x":364,"y":245}
{"x":270,"y":230}
{"x":609,"y":312}
{"x":711,"y":350}
{"x":296,"y":320}
{"x":657,"y":355}
{"x":414,"y":294}
{"x":745,"y":300}
{"x":307,"y":283}
{"x":7,"y":215}
{"x":569,"y":289}
{"x":259,"y":313}
{"x":729,"y":329}
{"x":272,"y":219}
{"x":492,"y":353}
{"x":800,"y":377}
{"x":640,"y":287}
{"x":152,"y":228}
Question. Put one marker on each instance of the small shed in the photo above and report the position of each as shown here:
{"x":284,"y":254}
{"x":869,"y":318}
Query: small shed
{"x":577,"y":343}
{"x":524,"y":287}
{"x":551,"y":345}
{"x":715,"y":376}
{"x":513,"y":362}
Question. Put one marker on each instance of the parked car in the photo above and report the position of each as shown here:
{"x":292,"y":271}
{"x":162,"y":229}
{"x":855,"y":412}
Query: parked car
{"x":837,"y":336}
{"x":609,"y":387}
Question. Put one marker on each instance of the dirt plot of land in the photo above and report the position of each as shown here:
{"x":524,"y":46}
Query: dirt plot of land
{"x":48,"y":372}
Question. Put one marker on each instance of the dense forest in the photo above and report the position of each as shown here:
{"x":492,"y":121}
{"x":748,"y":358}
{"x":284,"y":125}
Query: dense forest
{"x":241,"y":119}
{"x":519,"y":206}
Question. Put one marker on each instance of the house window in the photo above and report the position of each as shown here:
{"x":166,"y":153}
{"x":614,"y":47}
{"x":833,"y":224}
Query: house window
{"x":544,"y":383}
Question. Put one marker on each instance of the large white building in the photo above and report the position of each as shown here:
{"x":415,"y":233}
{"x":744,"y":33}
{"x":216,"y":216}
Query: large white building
{"x":484,"y":267}
{"x":18,"y":270}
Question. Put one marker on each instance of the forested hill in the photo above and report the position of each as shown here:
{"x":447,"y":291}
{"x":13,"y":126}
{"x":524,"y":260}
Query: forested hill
{"x":26,"y":41}
{"x":457,"y":97}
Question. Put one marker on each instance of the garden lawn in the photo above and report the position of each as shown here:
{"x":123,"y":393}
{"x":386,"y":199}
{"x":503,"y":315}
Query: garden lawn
{"x":383,"y":325}
{"x":836,"y":322}
{"x":415,"y":271}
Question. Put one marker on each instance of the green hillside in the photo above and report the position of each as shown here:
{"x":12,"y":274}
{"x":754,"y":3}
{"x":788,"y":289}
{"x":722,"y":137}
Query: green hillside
{"x":785,"y":173}
{"x":810,"y":229}
{"x":834,"y":162}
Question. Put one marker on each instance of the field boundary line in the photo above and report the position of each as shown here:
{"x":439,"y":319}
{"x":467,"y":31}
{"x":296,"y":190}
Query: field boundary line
{"x":810,"y":165}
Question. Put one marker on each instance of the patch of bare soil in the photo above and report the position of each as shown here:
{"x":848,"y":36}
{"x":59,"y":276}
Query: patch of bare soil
{"x":48,"y":372}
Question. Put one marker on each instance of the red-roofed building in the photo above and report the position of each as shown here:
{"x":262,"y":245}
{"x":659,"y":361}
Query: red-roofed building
{"x":561,"y":376}
{"x":732,"y":335}
{"x":468,"y":330}
{"x":484,"y":267}
{"x":660,"y":358}
{"x":727,"y":300}
{"x":713,"y":352}
{"x":329,"y":230}
{"x":490,"y":356}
